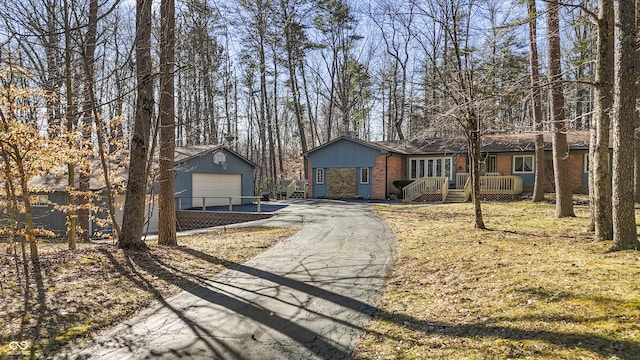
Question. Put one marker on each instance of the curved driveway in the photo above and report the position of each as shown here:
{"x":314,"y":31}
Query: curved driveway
{"x":306,"y":297}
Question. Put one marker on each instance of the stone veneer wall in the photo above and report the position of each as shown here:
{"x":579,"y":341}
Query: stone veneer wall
{"x":194,"y":219}
{"x":341,"y":183}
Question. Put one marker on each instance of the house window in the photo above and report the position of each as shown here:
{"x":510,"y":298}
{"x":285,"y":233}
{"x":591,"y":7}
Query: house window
{"x":430,"y":167}
{"x":364,"y":175}
{"x":319,"y":176}
{"x":523,"y":164}
{"x":39,"y":200}
{"x":490,"y":164}
{"x":586,"y":162}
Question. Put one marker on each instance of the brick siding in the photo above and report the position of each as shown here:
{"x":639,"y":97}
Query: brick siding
{"x":396,"y":170}
{"x":461,"y":164}
{"x":378,"y":176}
{"x":310,"y":178}
{"x":503,"y":164}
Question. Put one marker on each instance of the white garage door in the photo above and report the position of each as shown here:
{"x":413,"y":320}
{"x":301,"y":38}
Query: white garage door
{"x":216,"y":189}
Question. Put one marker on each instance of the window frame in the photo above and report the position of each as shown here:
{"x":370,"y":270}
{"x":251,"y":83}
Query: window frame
{"x":585,"y":163}
{"x":491,"y":163}
{"x":586,"y":160}
{"x":40,"y":200}
{"x":319,"y":176}
{"x":427,"y":165}
{"x":364,"y":173}
{"x":533,"y":164}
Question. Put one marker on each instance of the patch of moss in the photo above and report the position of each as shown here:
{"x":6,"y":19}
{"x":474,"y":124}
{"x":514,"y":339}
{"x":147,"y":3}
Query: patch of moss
{"x":73,"y":332}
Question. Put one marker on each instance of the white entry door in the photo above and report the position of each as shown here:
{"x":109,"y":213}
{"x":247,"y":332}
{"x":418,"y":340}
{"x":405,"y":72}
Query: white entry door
{"x":216,"y":189}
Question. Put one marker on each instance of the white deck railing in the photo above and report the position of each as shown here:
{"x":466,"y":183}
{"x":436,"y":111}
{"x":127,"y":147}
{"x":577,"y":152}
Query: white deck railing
{"x":426,"y":185}
{"x":291,"y":188}
{"x":206,"y":201}
{"x":467,"y":189}
{"x":461,"y":180}
{"x":297,"y":185}
{"x":500,"y":185}
{"x":489,"y":184}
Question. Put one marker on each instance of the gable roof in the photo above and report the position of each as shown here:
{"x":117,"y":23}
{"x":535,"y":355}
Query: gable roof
{"x":185,"y":153}
{"x":493,"y":143}
{"x":524,"y":142}
{"x":368,"y":144}
{"x":57,"y":180}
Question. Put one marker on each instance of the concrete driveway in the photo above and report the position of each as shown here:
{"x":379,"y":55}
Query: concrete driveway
{"x":306,"y":297}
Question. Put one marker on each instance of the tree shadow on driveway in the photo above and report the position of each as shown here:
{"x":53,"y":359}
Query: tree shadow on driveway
{"x":243,"y":304}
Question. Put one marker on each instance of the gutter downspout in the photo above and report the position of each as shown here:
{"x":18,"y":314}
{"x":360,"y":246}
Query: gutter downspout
{"x":306,"y":170}
{"x":386,"y":175}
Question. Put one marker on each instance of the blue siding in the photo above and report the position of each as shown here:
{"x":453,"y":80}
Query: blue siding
{"x":319,"y":190}
{"x":204,"y":164}
{"x":49,"y":218}
{"x":364,"y":190}
{"x":344,"y":154}
{"x":527,"y":179}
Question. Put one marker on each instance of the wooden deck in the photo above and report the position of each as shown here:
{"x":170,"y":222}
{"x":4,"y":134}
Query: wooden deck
{"x":436,"y":189}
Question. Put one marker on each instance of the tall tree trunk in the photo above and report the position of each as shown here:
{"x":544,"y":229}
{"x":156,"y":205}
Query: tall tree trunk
{"x":334,"y":66}
{"x":29,"y":229}
{"x":603,"y":97}
{"x":624,"y":219}
{"x":70,"y":115}
{"x":276,"y":117}
{"x":292,"y":61}
{"x":87,"y":112}
{"x":133,"y":215}
{"x":166,"y":193}
{"x":473,"y":137}
{"x":636,"y":167}
{"x":313,"y":124}
{"x":564,"y":195}
{"x":265,"y":114}
{"x":52,"y":82}
{"x":536,"y":103}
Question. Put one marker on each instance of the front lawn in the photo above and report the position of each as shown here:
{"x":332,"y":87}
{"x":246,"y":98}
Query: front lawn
{"x":532,"y":287}
{"x":74,"y":293}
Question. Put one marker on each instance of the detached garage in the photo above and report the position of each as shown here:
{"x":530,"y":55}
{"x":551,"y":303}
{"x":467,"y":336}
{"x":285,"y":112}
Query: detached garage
{"x":212,"y":188}
{"x":208,"y":175}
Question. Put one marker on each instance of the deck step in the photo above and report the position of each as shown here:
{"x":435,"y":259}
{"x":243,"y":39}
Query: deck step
{"x":455,"y":196}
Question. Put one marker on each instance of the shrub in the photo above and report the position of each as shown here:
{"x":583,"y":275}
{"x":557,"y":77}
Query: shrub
{"x":399,"y":184}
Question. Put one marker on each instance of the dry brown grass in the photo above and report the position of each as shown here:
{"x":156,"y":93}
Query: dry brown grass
{"x":73,"y":293}
{"x":533,"y":287}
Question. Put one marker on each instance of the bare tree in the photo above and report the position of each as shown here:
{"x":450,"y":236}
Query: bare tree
{"x":536,"y":102}
{"x":624,"y":219}
{"x":601,"y":202}
{"x":87,"y":112}
{"x":564,"y":195}
{"x":133,"y":215}
{"x":166,"y":192}
{"x":70,"y":117}
{"x":295,"y":42}
{"x":396,"y":30}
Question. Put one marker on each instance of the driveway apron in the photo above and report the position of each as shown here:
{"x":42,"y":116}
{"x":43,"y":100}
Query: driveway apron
{"x":307,"y":297}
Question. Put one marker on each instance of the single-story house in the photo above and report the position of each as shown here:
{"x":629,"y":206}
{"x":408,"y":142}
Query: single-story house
{"x":206,"y":175}
{"x":347,"y":167}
